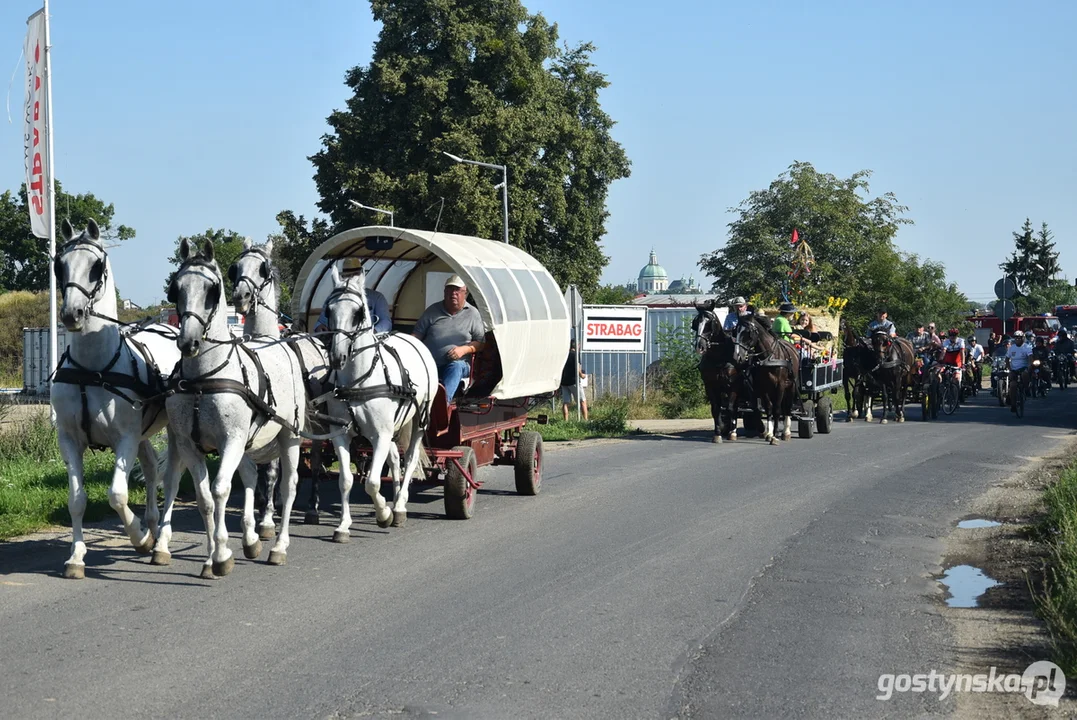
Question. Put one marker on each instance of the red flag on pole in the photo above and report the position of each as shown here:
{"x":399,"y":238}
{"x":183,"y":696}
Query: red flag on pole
{"x":795,"y":237}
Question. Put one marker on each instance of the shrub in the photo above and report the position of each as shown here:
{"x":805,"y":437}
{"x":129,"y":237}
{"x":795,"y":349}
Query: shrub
{"x":18,"y":310}
{"x":611,"y":416}
{"x":679,"y":379}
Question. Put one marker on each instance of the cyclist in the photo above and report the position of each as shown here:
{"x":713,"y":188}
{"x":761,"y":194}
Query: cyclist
{"x":1018,"y":358}
{"x":975,"y":353}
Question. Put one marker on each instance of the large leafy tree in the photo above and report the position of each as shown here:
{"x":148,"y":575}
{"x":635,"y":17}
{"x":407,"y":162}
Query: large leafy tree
{"x":487,"y":81}
{"x":24,"y":258}
{"x":227,"y":245}
{"x":293,"y":244}
{"x":843,"y":225}
{"x":851,"y":235}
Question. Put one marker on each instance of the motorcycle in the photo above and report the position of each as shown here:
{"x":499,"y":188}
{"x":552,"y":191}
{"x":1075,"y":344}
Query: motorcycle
{"x":1038,"y":385}
{"x":1000,"y":380}
{"x":1064,"y":370}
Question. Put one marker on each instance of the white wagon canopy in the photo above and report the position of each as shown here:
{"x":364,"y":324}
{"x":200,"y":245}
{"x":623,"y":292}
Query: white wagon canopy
{"x":520,"y":303}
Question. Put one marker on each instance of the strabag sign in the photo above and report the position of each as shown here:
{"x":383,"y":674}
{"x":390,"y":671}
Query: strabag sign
{"x":614,"y":328}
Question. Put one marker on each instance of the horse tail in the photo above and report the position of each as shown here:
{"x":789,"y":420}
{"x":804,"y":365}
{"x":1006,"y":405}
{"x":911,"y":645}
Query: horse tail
{"x":408,"y":430}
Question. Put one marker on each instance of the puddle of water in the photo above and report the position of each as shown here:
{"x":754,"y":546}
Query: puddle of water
{"x":977,"y":523}
{"x":966,"y":584}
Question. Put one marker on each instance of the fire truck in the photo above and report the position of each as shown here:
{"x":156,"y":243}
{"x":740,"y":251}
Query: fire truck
{"x":1067,"y":316}
{"x":1046,"y":326}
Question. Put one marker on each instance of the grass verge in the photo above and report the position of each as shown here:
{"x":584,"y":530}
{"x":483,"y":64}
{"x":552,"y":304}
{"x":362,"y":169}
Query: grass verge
{"x":33,"y":480}
{"x":1057,"y":600}
{"x":608,"y":419}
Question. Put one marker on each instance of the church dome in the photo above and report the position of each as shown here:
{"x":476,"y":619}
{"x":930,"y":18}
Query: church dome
{"x":652,"y":270}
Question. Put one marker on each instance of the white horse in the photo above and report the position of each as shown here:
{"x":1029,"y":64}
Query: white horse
{"x":108,"y":391}
{"x":256,"y":295}
{"x":245,"y":400}
{"x":386,"y":385}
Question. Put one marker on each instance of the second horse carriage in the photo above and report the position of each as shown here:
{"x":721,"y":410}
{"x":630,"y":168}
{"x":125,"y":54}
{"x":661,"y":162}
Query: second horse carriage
{"x":752,"y":375}
{"x":527,"y":336}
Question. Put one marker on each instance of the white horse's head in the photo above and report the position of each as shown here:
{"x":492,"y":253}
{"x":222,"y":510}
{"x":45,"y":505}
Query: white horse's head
{"x":81,"y":268}
{"x":348,"y":315}
{"x":254,"y":279}
{"x":196,"y":289}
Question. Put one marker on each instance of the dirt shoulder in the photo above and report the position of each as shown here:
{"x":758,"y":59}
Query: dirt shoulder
{"x":1004,"y":632}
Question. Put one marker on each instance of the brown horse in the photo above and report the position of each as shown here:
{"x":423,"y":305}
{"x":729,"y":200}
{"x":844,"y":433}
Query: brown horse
{"x":721,"y":366}
{"x":775,"y":369}
{"x":895,"y":371}
{"x":858,"y":361}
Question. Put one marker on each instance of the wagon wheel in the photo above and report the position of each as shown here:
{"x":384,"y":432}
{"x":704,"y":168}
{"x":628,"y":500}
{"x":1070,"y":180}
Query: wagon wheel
{"x":824,"y":415}
{"x":459,"y":495}
{"x":529,"y":463}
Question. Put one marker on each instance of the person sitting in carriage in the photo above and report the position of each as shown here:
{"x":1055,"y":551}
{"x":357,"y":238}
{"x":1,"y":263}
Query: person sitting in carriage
{"x":452,"y":329}
{"x":919,"y":338}
{"x":737,"y":307}
{"x":783,"y":325}
{"x":882,"y":322}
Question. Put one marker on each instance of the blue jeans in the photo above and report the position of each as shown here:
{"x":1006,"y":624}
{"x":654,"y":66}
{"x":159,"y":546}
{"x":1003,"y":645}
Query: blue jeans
{"x":452,"y":374}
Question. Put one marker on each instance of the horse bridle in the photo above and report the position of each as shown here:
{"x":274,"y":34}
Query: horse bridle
{"x":217,"y":285}
{"x":256,"y":290}
{"x":347,"y":293}
{"x":75,"y":245}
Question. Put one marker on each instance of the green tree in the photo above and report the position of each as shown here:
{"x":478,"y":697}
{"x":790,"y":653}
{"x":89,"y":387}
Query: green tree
{"x":484,"y":80}
{"x":24,"y":258}
{"x":844,"y":226}
{"x":1034,"y":260}
{"x":293,"y":245}
{"x":609,"y":295}
{"x":227,"y":245}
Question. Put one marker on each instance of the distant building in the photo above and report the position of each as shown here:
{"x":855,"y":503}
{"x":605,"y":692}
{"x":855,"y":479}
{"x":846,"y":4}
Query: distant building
{"x":130,"y":305}
{"x":653,"y":278}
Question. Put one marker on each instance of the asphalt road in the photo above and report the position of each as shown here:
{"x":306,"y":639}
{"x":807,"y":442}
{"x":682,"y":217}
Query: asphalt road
{"x":653,"y":577}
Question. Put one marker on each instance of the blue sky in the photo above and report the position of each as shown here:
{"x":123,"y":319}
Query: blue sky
{"x":197,"y":114}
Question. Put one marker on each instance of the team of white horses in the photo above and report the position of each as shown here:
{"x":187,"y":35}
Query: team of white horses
{"x":247,"y":399}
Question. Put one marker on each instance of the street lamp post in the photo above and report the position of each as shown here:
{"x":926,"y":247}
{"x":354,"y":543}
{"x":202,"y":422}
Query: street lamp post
{"x":504,"y":185}
{"x":368,"y":207}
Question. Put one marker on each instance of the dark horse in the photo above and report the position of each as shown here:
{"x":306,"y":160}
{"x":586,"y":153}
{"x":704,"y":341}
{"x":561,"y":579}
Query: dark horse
{"x":775,"y":371}
{"x":858,"y":362}
{"x":895,"y":372}
{"x":720,"y":365}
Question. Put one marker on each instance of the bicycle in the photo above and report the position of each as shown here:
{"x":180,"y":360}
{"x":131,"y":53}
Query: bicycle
{"x":951,"y":390}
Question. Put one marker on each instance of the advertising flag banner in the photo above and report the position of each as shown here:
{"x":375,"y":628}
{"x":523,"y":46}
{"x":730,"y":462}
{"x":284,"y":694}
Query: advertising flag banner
{"x":35,"y":138}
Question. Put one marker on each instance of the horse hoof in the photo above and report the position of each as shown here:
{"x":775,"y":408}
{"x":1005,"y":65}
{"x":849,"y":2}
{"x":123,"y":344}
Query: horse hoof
{"x":278,"y":558}
{"x":267,"y":532}
{"x":883,"y":421}
{"x":787,"y":436}
{"x":387,"y":521}
{"x":146,"y":547}
{"x":717,"y":439}
{"x":220,"y":569}
{"x":311,"y":518}
{"x":207,"y":573}
{"x":773,"y":440}
{"x":252,"y":551}
{"x":160,"y":557}
{"x":901,"y":419}
{"x":400,"y":519}
{"x":732,"y":437}
{"x":74,"y":571}
{"x":341,"y":537}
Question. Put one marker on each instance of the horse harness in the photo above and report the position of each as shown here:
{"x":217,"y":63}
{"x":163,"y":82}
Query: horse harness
{"x":352,"y":394}
{"x":256,"y":290}
{"x":115,"y":381}
{"x":262,"y":402}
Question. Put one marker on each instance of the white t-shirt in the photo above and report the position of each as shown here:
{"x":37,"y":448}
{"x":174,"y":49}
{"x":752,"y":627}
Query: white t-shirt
{"x":953,"y":345}
{"x":977,"y":353}
{"x":1020,"y":356}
